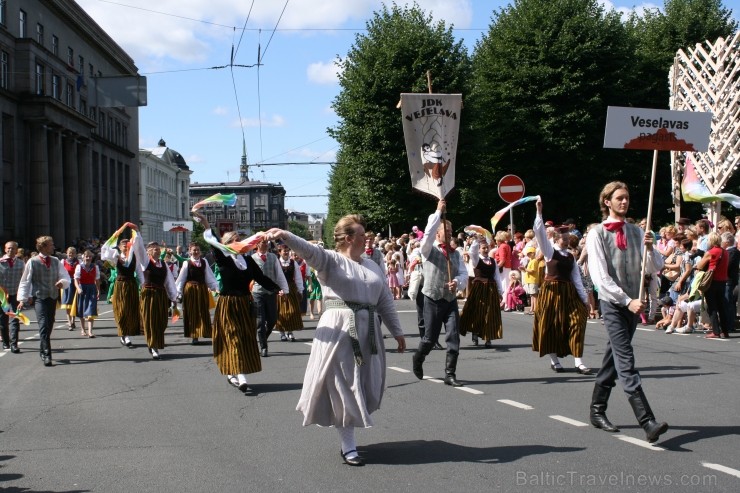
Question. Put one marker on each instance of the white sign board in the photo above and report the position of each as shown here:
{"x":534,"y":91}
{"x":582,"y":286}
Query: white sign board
{"x":178,"y":226}
{"x":657,"y":130}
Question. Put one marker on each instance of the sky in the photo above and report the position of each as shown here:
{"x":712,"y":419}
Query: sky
{"x":283,"y":107}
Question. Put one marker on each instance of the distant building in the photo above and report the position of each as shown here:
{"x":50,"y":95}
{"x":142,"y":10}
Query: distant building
{"x":316,"y":226}
{"x":68,"y":168}
{"x":259,"y":205}
{"x":165,"y":194}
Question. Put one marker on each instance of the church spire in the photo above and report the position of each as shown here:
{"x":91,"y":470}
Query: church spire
{"x":243,"y":174}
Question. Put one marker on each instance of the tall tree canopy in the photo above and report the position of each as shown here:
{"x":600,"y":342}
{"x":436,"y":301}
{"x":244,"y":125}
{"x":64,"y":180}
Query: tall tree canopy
{"x":542,"y":79}
{"x":371,"y":176}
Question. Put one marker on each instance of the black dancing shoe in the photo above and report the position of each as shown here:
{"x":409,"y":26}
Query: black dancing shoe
{"x":556,"y":368}
{"x":352,"y":461}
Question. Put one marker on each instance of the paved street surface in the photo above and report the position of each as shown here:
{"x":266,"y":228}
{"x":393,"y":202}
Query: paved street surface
{"x":107,"y":418}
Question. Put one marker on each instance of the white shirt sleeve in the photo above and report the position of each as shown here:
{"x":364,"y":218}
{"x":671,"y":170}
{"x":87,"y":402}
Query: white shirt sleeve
{"x":182,"y":278}
{"x":211,"y":281}
{"x":540,"y":233}
{"x":297,"y":277}
{"x":430,"y":232}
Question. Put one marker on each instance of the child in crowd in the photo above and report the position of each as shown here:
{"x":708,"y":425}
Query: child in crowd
{"x":87,"y":283}
{"x":531,"y":270}
{"x":515,"y":294}
{"x":392,"y":277}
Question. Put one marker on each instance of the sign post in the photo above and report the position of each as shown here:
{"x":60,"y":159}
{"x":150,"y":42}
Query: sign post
{"x":510,"y":189}
{"x":657,"y":130}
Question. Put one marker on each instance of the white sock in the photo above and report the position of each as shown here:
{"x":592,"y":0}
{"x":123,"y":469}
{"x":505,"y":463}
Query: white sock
{"x":242,"y":378}
{"x":347,"y":436}
{"x":554,"y":359}
{"x":579,"y":362}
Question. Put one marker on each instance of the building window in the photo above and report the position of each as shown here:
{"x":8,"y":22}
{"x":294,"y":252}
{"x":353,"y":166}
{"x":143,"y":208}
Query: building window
{"x":81,"y":65}
{"x":125,"y":136}
{"x":70,"y":56}
{"x":56,"y":91}
{"x":4,"y":69}
{"x":40,"y":34}
{"x":70,"y":95}
{"x":40,"y":79}
{"x":22,"y":24}
{"x":92,"y":70}
{"x":83,"y":106}
{"x":101,"y":124}
{"x":55,"y":45}
{"x":3,"y":12}
{"x":259,"y":200}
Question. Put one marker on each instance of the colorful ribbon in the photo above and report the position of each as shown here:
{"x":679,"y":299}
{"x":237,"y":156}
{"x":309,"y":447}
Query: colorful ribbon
{"x":236,"y":247}
{"x":8,"y":310}
{"x":479,"y":230}
{"x":497,"y":217}
{"x":219,"y":198}
{"x":693,"y":190}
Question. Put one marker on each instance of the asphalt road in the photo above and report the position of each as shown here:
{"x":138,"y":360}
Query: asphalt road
{"x":109,"y":418}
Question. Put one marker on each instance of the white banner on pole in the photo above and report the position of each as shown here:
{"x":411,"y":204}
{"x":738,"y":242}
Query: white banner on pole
{"x":657,"y":130}
{"x":430,"y":126}
{"x":178,"y":226}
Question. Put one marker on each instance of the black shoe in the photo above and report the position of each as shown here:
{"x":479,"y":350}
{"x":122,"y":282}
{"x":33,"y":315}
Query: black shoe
{"x":47,"y":360}
{"x":233,"y":381}
{"x":243,"y":387}
{"x":584,"y":370}
{"x":14,"y":348}
{"x":291,"y":338}
{"x":418,"y":368}
{"x":123,"y":341}
{"x":645,"y":416}
{"x":6,"y":345}
{"x":264,"y":353}
{"x":556,"y":369}
{"x":475,"y":341}
{"x":451,"y":380}
{"x":194,"y":342}
{"x":283,"y":337}
{"x":438,"y":346}
{"x":488,"y":344}
{"x":354,"y":461}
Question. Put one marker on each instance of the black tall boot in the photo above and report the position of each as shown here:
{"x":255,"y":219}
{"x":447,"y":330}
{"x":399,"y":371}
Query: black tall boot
{"x":645,"y":416}
{"x":599,"y":401}
{"x":450,"y":367}
{"x":419,"y":357}
{"x":262,"y":339}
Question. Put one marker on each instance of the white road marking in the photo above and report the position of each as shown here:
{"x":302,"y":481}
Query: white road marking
{"x":395,"y":368}
{"x":637,"y":441}
{"x":405,"y":311}
{"x":646,"y":330}
{"x":516,"y":404}
{"x":568,"y":420}
{"x":435,"y":380}
{"x":721,"y":468}
{"x":470,"y":390}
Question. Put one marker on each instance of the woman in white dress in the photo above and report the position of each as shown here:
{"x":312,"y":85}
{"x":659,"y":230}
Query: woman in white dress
{"x":345,"y":376}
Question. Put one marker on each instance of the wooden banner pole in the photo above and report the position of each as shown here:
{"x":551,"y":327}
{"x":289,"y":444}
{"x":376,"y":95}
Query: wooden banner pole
{"x":649,"y":223}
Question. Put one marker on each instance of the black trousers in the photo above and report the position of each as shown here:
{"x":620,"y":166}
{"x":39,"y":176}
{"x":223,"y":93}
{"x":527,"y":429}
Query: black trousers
{"x":265,"y":306}
{"x":436,"y":313}
{"x":45,"y":314}
{"x":619,"y":357}
{"x":10,"y":336}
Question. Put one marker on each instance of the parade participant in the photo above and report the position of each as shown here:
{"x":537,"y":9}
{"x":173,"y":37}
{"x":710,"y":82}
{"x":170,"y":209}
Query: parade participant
{"x":157,"y":291}
{"x":87,"y":283}
{"x":68,"y":295}
{"x":503,"y":258}
{"x":314,"y":293}
{"x":11,"y":270}
{"x":234,"y":335}
{"x":125,"y":296}
{"x":265,"y":300}
{"x":303,"y":268}
{"x":562,"y":307}
{"x":481,"y":315}
{"x":172,"y":265}
{"x":373,"y":253}
{"x":615,"y":262}
{"x":193,"y":283}
{"x":43,"y":277}
{"x":345,"y":376}
{"x":289,"y":311}
{"x":444,"y":275}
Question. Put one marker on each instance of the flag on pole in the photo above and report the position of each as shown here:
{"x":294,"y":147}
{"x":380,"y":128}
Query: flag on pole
{"x":431,"y":123}
{"x":693,"y":190}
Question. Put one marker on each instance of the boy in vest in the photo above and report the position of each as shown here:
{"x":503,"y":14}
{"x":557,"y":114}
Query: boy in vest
{"x":444,"y":275}
{"x":42,"y":278}
{"x":615,"y":249}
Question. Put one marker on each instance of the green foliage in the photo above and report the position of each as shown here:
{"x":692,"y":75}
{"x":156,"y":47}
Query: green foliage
{"x":197,"y":237}
{"x":371,"y":176}
{"x":299,"y":229}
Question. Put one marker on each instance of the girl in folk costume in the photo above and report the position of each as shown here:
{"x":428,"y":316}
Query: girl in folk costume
{"x":562,"y":308}
{"x":172,"y":265}
{"x":68,"y":294}
{"x":503,"y":257}
{"x":193,"y":284}
{"x":289,"y":306}
{"x":234,"y":331}
{"x":87,"y":283}
{"x":157,"y":291}
{"x":481,"y":315}
{"x":125,"y":296}
{"x":303,"y":268}
{"x":314,"y":293}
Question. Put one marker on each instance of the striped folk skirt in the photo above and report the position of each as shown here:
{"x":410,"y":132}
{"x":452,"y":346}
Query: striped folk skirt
{"x":481,"y":314}
{"x":235,"y":337}
{"x":289,"y":311}
{"x":196,"y":315}
{"x":154,"y":307}
{"x":126,"y":307}
{"x":559,"y":321}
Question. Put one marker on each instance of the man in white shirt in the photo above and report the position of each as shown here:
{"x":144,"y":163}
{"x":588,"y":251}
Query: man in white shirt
{"x":615,"y":264}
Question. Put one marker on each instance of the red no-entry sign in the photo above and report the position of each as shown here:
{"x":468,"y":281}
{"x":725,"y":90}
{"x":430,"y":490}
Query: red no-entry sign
{"x":510,"y":188}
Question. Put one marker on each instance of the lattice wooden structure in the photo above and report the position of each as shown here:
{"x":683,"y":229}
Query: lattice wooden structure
{"x":707,"y":78}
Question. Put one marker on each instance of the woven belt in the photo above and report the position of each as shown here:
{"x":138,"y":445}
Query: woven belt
{"x":355,"y":307}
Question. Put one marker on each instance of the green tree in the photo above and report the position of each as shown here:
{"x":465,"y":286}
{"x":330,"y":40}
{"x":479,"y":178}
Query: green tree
{"x":543,"y":76}
{"x":371,"y":176}
{"x":299,"y":229}
{"x":197,"y":237}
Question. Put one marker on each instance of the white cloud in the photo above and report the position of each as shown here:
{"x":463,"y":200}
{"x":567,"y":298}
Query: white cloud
{"x":323,"y":72}
{"x":273,"y":121}
{"x":220,"y":111}
{"x":626,"y":11}
{"x":457,"y":12}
